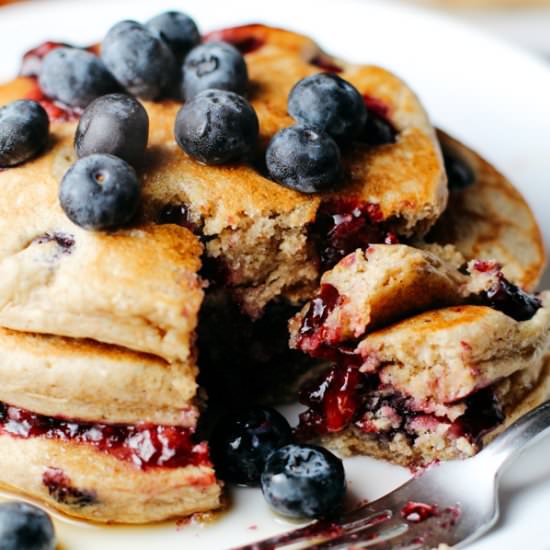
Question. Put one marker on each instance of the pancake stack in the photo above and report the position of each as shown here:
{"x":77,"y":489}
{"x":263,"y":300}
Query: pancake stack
{"x":106,"y":336}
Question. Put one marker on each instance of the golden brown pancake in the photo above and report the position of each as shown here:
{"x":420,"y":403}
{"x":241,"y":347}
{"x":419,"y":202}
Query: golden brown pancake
{"x":432,"y":387}
{"x":490,"y":219}
{"x":257,"y":231}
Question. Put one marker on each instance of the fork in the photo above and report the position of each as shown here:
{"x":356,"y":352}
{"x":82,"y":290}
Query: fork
{"x":436,"y":507}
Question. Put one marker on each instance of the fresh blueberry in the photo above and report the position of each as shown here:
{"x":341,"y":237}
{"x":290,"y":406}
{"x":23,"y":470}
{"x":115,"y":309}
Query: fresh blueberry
{"x":304,"y":481}
{"x":25,"y":527}
{"x":116,"y":124}
{"x":217,"y":126}
{"x":139,"y":59}
{"x":216,"y":65}
{"x":242,"y":441}
{"x":100,"y":192}
{"x":327,"y":102}
{"x":304,"y":159}
{"x":459,"y":174}
{"x":75,"y":77}
{"x":378,"y":131}
{"x":24,"y":127}
{"x":178,"y":30}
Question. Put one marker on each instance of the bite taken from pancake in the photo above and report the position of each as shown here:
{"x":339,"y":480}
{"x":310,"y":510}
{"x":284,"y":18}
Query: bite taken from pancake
{"x":429,"y":372}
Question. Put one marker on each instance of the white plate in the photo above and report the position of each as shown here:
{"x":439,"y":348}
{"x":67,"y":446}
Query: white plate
{"x":492,"y":96}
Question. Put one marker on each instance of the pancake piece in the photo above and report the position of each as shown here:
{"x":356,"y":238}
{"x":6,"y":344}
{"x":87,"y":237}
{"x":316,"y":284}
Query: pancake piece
{"x":136,"y":288}
{"x":66,"y":377}
{"x":489,"y":219}
{"x":122,"y":474}
{"x":431,"y":438}
{"x":386,"y":283}
{"x":432,"y":387}
{"x":371,"y":288}
{"x":263,"y":241}
{"x":413,"y":379}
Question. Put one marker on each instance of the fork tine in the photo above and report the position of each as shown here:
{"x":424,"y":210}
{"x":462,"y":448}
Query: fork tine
{"x":366,"y":537}
{"x":415,"y":536}
{"x":359,"y":519}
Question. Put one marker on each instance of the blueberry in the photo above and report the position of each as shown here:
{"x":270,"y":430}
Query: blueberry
{"x":304,"y":481}
{"x":25,"y":527}
{"x":327,"y":102}
{"x":242,"y":441}
{"x":116,"y":124}
{"x":24,"y":127}
{"x":139,"y":59}
{"x":75,"y":77}
{"x":216,"y":65}
{"x":459,"y":173}
{"x":100,"y":192}
{"x":378,"y":131}
{"x":217,"y":126}
{"x":178,"y":30}
{"x":304,"y":159}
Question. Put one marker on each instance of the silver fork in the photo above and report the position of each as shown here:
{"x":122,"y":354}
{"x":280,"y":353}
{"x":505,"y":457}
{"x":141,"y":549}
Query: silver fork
{"x":452,"y":502}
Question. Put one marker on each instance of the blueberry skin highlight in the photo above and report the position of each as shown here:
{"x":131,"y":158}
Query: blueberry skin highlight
{"x":242,"y":442}
{"x":304,"y":481}
{"x":115,"y":124}
{"x":329,"y":103}
{"x":100,"y":192}
{"x":24,"y":130}
{"x":178,"y":30}
{"x":216,"y":127}
{"x":217,"y":65}
{"x":25,"y":527}
{"x":75,"y":77}
{"x":139,"y":59}
{"x":304,"y":159}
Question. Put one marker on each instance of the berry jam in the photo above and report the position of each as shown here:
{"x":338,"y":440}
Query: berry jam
{"x":246,"y":38}
{"x":177,"y":214}
{"x":483,"y":413}
{"x":61,"y":489}
{"x":145,"y":445}
{"x":345,"y":396}
{"x":312,"y":333}
{"x":376,"y":106}
{"x":378,"y":128}
{"x":325,"y":63}
{"x":57,"y":111}
{"x":345,"y":224}
{"x":333,"y":402}
{"x":416,"y":512}
{"x":32,"y":60}
{"x":64,"y":241}
{"x":511,"y":300}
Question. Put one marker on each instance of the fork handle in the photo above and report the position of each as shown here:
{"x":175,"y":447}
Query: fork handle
{"x":511,"y":443}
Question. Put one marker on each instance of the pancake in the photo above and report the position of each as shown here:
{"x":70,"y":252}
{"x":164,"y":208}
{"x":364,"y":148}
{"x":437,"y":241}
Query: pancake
{"x":431,"y":387}
{"x":372,"y":288}
{"x":501,"y":406}
{"x":136,"y":288}
{"x":489,"y":219}
{"x":82,"y":481}
{"x":257,"y":232}
{"x":66,"y":377}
